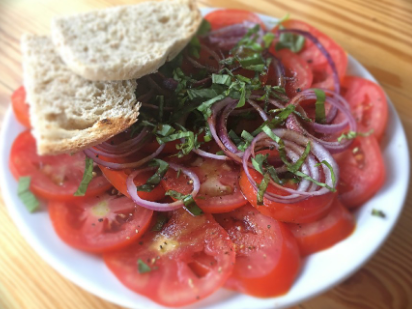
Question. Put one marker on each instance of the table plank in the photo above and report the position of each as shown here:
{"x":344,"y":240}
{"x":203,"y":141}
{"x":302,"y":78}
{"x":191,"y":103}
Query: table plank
{"x":377,"y":33}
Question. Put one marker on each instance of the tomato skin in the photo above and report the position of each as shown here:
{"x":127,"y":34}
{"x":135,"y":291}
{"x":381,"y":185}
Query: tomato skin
{"x":309,"y":210}
{"x":322,"y":73}
{"x":362,"y":171}
{"x":52,"y":177}
{"x":20,"y":107}
{"x":226,"y":17}
{"x":183,"y":241}
{"x":83,"y":226}
{"x":219,"y":188}
{"x":267,"y":255}
{"x":294,"y":67}
{"x":368,"y":104}
{"x":118,"y":179}
{"x":324,"y":233}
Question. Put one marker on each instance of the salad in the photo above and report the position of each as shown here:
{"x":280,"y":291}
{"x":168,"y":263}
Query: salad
{"x":251,"y":149}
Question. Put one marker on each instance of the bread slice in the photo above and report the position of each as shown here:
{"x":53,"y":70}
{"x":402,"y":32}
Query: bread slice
{"x":125,"y":42}
{"x":67,"y":112}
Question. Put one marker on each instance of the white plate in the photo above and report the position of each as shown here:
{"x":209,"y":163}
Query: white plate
{"x":321,"y":271}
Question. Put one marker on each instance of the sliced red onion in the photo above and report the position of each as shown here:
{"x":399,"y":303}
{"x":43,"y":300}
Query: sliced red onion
{"x":159,"y":89}
{"x":90,"y":152}
{"x":319,"y":153}
{"x":338,"y":102}
{"x":209,"y":155}
{"x":134,"y":144}
{"x":131,"y":188}
{"x":322,"y":49}
{"x":212,"y":53}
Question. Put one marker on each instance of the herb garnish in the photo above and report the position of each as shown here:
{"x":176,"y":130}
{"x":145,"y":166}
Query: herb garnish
{"x":142,"y":267}
{"x":155,"y":179}
{"x":188,"y":201}
{"x":378,"y":213}
{"x":87,"y":177}
{"x":25,"y":195}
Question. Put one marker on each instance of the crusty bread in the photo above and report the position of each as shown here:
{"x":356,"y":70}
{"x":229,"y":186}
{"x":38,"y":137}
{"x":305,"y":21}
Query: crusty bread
{"x":67,"y":112}
{"x":125,"y":42}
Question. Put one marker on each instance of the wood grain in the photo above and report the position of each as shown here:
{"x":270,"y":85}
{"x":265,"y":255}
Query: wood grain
{"x":377,"y":33}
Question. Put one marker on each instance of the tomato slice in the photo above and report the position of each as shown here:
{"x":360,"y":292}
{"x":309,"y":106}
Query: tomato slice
{"x":322,"y":73}
{"x":219,"y":187}
{"x":53,"y":177}
{"x":362,"y":171}
{"x":296,"y":69}
{"x":20,"y":107}
{"x":267,"y":255}
{"x":99,"y":224}
{"x":226,"y":17}
{"x":190,"y":258}
{"x":309,"y":210}
{"x":368,"y":104}
{"x":324,"y":233}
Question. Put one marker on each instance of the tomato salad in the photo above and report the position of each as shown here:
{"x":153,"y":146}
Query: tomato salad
{"x":251,"y":149}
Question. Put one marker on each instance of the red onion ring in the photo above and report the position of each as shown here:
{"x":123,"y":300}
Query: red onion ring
{"x":131,"y":188}
{"x":120,"y":149}
{"x":90,"y":152}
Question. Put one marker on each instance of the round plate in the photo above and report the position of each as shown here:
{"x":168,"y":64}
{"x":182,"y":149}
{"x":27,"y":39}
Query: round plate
{"x":321,"y":271}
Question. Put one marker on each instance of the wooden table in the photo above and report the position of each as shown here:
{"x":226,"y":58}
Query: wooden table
{"x":377,"y":33}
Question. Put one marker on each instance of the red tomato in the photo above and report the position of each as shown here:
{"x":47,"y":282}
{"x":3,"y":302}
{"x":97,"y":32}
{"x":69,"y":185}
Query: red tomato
{"x":362,"y":171}
{"x":296,"y":68}
{"x":53,"y":177}
{"x":226,"y":17}
{"x":322,"y":74}
{"x":190,"y":258}
{"x":219,"y":187}
{"x":309,"y":210}
{"x":324,"y":233}
{"x":99,"y":224}
{"x":267,"y":255}
{"x":118,"y":179}
{"x":20,"y":107}
{"x":368,"y":104}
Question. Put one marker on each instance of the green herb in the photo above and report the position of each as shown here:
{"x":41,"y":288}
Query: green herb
{"x":321,"y":184}
{"x":188,"y":201}
{"x":222,"y":79}
{"x":184,"y":147}
{"x":320,"y":105}
{"x":204,"y":28}
{"x":161,"y":219}
{"x":87,"y":177}
{"x":268,"y":39}
{"x":353,"y":135}
{"x":246,"y":136}
{"x":25,"y":195}
{"x":294,"y":42}
{"x":165,"y":130}
{"x":194,"y":44}
{"x":155,"y":179}
{"x":262,"y":188}
{"x":298,"y":164}
{"x":142,"y":267}
{"x":378,"y":213}
{"x":258,"y":161}
{"x":332,"y":173}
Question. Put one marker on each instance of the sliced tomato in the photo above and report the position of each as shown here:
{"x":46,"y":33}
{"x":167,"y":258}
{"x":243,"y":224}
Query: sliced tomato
{"x":99,"y":224}
{"x":309,"y":210}
{"x":297,"y":70}
{"x":324,"y":233}
{"x":267,"y":255}
{"x":219,"y":187}
{"x":322,"y":73}
{"x":362,"y":171}
{"x":52,"y":177}
{"x":190,"y":258}
{"x":368,"y":104}
{"x":20,"y":107}
{"x":226,"y":17}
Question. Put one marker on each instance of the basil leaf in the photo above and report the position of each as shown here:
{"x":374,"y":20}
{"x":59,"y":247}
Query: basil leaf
{"x":297,"y":165}
{"x":353,"y":135}
{"x":204,"y":27}
{"x":87,"y":177}
{"x":142,"y":267}
{"x":321,"y":184}
{"x":222,"y":79}
{"x":161,"y":219}
{"x":25,"y":195}
{"x":320,"y":105}
{"x":332,"y":173}
{"x":205,"y":106}
{"x":270,"y":133}
{"x":268,"y":39}
{"x":258,"y":161}
{"x":262,"y":188}
{"x":246,"y":136}
{"x":272,"y":172}
{"x":155,"y":179}
{"x":165,"y":129}
{"x":188,"y":201}
{"x":378,"y":213}
{"x":294,"y":42}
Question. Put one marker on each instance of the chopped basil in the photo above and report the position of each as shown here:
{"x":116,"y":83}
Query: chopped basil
{"x":297,"y":165}
{"x":222,"y":79}
{"x":155,"y":179}
{"x":194,"y":44}
{"x":262,"y":188}
{"x":320,"y":105}
{"x":204,"y":27}
{"x":268,"y":39}
{"x":188,"y":201}
{"x":161,"y":219}
{"x":246,"y":136}
{"x":165,"y":130}
{"x":87,"y":177}
{"x":258,"y":161}
{"x":353,"y":135}
{"x":184,"y":147}
{"x":142,"y":267}
{"x":332,"y":173}
{"x":378,"y":213}
{"x":25,"y":195}
{"x":321,"y":184}
{"x":294,"y":42}
{"x":270,"y":133}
